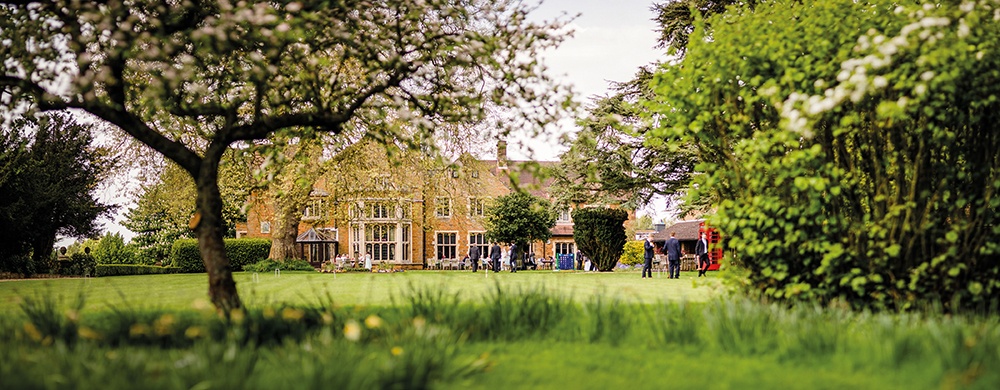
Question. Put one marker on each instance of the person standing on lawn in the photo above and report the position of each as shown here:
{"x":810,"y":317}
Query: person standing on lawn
{"x":673,"y":257}
{"x":701,"y":250}
{"x":647,"y":265}
{"x":474,"y":257}
{"x":495,"y":254}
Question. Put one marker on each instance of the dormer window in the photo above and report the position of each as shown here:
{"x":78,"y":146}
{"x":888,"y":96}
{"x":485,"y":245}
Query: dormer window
{"x":564,"y":216}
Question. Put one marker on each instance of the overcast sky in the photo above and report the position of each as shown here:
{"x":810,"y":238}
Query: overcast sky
{"x":611,"y":40}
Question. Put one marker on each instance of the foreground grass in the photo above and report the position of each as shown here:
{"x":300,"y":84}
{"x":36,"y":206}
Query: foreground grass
{"x":512,"y":333}
{"x":184,"y":291}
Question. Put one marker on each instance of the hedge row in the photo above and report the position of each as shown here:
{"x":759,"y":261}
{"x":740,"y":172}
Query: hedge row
{"x":184,"y":254}
{"x":133,"y":269}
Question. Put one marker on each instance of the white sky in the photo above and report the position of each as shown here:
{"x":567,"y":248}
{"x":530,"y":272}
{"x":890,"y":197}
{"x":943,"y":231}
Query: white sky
{"x":611,"y":40}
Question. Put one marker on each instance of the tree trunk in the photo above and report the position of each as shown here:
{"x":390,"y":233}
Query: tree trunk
{"x":286,"y":230}
{"x":210,"y":229}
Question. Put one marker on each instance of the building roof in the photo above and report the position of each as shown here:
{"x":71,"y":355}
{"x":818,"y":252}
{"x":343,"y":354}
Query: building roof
{"x":312,"y":235}
{"x":686,"y":231}
{"x":562,"y":230}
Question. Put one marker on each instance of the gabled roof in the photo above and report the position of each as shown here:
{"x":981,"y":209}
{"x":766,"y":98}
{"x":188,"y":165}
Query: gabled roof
{"x":524,"y":177}
{"x":312,"y":235}
{"x":562,"y":230}
{"x":686,"y":231}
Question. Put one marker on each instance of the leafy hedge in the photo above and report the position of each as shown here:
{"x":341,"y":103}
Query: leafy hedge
{"x":852,"y":154}
{"x":269,"y":265}
{"x":600,"y":234}
{"x":184,"y":254}
{"x":79,"y":264}
{"x":133,"y":269}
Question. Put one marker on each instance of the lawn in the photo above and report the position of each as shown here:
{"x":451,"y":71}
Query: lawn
{"x":458,"y":330}
{"x":180,"y":291}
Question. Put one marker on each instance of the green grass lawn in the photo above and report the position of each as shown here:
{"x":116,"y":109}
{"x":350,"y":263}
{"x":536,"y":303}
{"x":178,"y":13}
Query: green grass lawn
{"x":530,"y":330}
{"x":182,"y":291}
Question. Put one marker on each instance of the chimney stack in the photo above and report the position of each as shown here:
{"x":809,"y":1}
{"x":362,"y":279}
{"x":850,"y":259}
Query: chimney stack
{"x":502,"y":154}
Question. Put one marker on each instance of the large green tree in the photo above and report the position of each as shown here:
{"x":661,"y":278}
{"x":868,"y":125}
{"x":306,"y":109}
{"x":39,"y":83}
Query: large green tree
{"x":519,"y":218}
{"x":49,"y":171}
{"x":855,"y":151}
{"x":165,"y":203}
{"x":611,"y":159}
{"x":191,"y":78}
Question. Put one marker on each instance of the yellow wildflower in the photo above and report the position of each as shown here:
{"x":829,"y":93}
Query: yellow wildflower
{"x":194,"y":332}
{"x":373,"y":321}
{"x":88,"y":333}
{"x":164,"y":325}
{"x":292,"y":314}
{"x":138,"y":330}
{"x":32,"y":331}
{"x":352,"y":331}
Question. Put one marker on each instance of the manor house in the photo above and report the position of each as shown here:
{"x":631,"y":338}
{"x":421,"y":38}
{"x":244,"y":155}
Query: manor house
{"x":409,"y":212}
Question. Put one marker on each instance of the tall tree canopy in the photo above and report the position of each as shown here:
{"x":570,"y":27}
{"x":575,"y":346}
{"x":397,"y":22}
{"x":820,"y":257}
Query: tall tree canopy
{"x":165,"y":203}
{"x":519,"y":218}
{"x":854,"y":152}
{"x":612,"y":160}
{"x":49,"y":172}
{"x":191,"y":78}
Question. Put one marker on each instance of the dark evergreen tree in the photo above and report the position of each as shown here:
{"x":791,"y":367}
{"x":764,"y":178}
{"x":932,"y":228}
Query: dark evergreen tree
{"x":599,"y":232}
{"x":47,"y":184}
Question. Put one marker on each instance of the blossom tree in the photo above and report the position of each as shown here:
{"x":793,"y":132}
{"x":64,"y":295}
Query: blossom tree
{"x":191,"y":79}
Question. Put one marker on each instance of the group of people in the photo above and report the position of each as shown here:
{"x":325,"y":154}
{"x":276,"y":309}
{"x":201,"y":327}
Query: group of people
{"x":672,"y":248}
{"x":348,"y":262}
{"x":498,"y":256}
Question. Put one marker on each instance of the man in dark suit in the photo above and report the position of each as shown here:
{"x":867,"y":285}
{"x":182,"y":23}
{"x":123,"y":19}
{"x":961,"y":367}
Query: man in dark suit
{"x":673,"y":257}
{"x":474,"y":257}
{"x":701,"y":250}
{"x":495,"y":256}
{"x":647,"y":266}
{"x":513,"y":257}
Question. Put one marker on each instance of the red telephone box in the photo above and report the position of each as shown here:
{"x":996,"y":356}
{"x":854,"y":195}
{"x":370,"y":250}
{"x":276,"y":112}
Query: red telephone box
{"x":714,"y":245}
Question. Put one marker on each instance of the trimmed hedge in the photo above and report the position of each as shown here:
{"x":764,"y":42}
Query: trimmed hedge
{"x":184,"y":254}
{"x":268,"y":265}
{"x":133,"y":269}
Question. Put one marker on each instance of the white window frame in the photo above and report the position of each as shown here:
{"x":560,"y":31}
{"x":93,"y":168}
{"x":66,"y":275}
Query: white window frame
{"x":315,"y":209}
{"x":477,"y":206}
{"x":484,"y":246}
{"x":442,"y":207}
{"x":265,"y":227}
{"x":565,"y":216}
{"x":440,"y":247}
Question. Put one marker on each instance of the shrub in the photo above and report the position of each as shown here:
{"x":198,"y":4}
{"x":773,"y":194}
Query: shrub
{"x":79,"y":264}
{"x":633,"y":254}
{"x":111,"y":249}
{"x":185,"y":254}
{"x":133,"y":269}
{"x":599,"y":232}
{"x":860,"y":169}
{"x":246,"y":251}
{"x":269,"y":265}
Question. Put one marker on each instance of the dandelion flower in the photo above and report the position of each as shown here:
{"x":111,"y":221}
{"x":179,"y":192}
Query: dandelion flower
{"x":352,"y":331}
{"x":373,"y":321}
